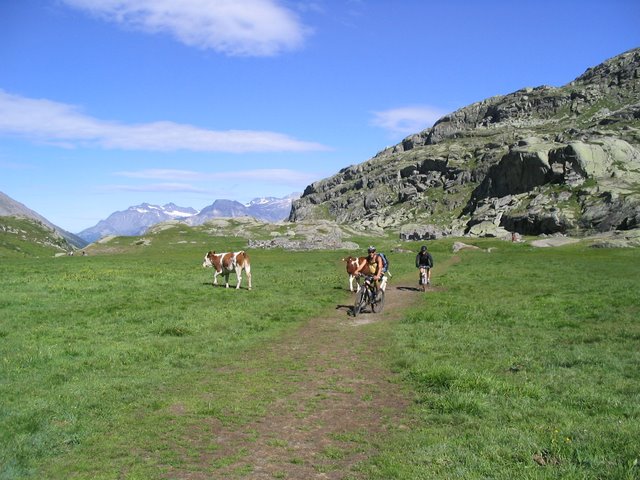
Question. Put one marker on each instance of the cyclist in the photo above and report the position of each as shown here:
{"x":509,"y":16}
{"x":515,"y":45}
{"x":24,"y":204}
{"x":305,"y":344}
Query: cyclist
{"x":424,"y":261}
{"x":373,"y":266}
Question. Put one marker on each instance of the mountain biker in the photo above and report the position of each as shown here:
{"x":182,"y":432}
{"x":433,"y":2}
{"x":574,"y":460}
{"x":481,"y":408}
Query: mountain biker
{"x":373,"y":266}
{"x":424,"y":261}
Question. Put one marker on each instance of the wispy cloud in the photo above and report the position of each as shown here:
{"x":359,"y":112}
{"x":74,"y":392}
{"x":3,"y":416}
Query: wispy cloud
{"x":66,"y":126}
{"x":407,"y":120}
{"x":156,"y":187}
{"x":281,"y":176}
{"x":232,"y":27}
{"x":230,"y":183}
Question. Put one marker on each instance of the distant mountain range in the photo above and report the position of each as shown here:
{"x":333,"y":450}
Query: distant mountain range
{"x":270,"y":209}
{"x":137,"y":219}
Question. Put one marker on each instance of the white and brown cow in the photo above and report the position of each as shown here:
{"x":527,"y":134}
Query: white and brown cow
{"x":352,"y":266}
{"x":225,"y":263}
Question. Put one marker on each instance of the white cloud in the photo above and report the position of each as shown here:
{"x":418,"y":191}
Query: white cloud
{"x":407,"y":120}
{"x":232,"y":27}
{"x":66,"y":126}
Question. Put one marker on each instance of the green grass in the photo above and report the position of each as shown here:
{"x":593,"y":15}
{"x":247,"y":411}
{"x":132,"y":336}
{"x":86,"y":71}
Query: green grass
{"x":118,"y":365}
{"x":20,"y":237}
{"x":526,"y":365}
{"x":105,"y":352}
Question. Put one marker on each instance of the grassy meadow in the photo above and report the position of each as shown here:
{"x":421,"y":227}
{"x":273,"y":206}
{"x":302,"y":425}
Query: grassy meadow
{"x":524,"y":363}
{"x":96,"y":349}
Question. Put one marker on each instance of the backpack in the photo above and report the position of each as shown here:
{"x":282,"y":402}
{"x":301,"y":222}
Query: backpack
{"x":425,"y":260}
{"x":385,"y":263}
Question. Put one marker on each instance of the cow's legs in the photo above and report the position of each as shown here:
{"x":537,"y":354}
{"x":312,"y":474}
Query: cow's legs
{"x":352,"y":280}
{"x":226,"y":280}
{"x":215,"y":278}
{"x":238,"y":276}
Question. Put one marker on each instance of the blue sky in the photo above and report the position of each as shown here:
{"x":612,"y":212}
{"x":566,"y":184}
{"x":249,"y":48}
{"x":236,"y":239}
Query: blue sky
{"x":105,"y":104}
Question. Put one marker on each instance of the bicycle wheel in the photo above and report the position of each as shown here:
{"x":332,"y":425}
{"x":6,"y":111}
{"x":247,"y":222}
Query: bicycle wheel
{"x":359,"y":303}
{"x":379,"y":305}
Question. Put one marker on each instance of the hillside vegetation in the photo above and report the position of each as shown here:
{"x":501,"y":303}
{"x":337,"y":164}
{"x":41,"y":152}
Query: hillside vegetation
{"x":127,"y":363}
{"x":10,"y":208}
{"x":27,"y":237}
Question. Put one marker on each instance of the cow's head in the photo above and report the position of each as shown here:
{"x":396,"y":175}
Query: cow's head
{"x":352,"y":264}
{"x":208,"y":259}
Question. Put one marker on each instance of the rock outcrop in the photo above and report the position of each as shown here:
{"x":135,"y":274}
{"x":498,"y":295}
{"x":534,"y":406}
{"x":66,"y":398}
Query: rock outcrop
{"x":540,"y":160}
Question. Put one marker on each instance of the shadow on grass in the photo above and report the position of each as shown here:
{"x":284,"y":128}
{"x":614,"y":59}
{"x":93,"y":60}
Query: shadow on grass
{"x":231,"y":287}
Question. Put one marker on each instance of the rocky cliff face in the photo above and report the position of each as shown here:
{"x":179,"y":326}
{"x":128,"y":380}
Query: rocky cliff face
{"x":539,"y":160}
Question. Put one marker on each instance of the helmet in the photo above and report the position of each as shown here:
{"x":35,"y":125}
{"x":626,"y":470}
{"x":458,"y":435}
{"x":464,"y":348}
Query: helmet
{"x":423,"y":248}
{"x":371,"y":249}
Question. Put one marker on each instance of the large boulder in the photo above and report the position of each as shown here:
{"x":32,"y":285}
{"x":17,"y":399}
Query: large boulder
{"x":488,"y":229}
{"x":522,"y":169}
{"x":598,"y":158}
{"x":611,"y":212}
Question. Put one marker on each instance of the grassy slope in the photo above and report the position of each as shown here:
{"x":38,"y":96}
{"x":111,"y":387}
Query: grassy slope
{"x":527,"y":365}
{"x":526,"y":354}
{"x":20,"y":237}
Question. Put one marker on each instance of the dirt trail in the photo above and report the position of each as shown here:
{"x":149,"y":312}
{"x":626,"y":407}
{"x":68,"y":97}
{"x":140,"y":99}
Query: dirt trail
{"x":345,"y":396}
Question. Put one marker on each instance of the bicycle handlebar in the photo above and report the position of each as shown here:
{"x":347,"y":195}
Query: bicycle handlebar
{"x":365,"y":276}
{"x":368,"y":275}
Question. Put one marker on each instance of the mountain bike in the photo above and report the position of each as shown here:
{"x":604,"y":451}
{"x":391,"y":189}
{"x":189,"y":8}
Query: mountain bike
{"x":366,"y":296}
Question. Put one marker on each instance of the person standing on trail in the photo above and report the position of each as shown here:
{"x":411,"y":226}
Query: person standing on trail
{"x":424,"y":261}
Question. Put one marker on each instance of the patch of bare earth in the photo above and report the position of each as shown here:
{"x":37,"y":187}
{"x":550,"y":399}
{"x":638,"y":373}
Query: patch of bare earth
{"x":345,"y":399}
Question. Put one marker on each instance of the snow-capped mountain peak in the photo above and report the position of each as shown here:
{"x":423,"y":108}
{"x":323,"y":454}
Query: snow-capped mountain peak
{"x":135,"y":220}
{"x":138,"y":218}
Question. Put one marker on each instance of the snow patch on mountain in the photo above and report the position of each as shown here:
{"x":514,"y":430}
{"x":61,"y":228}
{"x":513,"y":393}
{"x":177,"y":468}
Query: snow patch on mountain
{"x":137,"y":219}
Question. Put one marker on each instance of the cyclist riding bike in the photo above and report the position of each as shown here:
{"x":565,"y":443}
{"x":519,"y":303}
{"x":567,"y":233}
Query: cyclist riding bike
{"x":424,"y":261}
{"x":374,"y":266}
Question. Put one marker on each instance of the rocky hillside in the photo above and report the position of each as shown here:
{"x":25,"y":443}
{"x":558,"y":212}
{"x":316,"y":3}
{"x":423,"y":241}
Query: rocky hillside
{"x":537,"y":161}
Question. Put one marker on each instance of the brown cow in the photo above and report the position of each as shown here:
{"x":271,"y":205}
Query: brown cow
{"x":225,"y":263}
{"x":352,"y":266}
